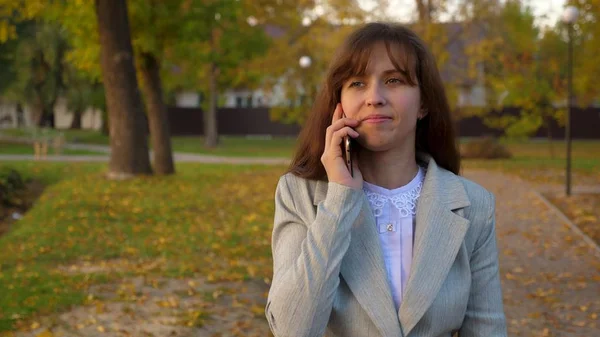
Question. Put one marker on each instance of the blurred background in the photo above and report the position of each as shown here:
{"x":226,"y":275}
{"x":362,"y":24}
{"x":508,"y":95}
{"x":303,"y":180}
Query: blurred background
{"x":141,"y":142}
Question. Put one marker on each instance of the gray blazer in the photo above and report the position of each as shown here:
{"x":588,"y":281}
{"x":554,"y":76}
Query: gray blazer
{"x":329,"y":276}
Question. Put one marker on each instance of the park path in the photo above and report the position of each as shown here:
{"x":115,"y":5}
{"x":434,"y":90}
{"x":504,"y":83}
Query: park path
{"x":550,"y":274}
{"x":178,"y":157}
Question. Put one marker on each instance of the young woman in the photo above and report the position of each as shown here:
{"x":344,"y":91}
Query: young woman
{"x":400,"y":245}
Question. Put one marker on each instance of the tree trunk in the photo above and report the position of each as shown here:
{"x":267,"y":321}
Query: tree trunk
{"x":157,"y":115}
{"x":211,"y":135}
{"x":105,"y":123}
{"x":549,"y":135}
{"x":37,"y":112}
{"x":425,"y":9}
{"x":20,"y":116}
{"x":128,"y":137}
{"x":49,"y":117}
{"x":76,"y":121}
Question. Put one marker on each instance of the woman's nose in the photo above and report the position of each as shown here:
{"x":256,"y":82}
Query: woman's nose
{"x":374,"y":96}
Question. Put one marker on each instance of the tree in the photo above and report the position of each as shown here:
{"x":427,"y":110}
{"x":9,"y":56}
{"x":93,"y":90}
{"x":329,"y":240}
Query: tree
{"x":154,"y":25}
{"x":129,"y":147}
{"x":38,"y":68}
{"x":176,"y":35}
{"x":150,"y":29}
{"x":586,"y":43}
{"x":524,"y":68}
{"x":330,"y":23}
{"x":219,"y":47}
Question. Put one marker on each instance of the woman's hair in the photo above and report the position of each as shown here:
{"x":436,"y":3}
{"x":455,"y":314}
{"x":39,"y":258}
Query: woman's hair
{"x":435,"y":132}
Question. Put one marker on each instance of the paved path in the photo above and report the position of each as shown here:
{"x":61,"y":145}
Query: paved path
{"x":550,"y":275}
{"x":179,"y":157}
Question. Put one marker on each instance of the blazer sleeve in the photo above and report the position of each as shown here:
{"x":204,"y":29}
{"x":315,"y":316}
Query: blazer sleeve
{"x":485,"y":313}
{"x":307,"y":258}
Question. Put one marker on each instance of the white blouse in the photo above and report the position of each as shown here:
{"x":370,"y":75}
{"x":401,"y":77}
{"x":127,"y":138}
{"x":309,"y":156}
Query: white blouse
{"x":394,"y":212}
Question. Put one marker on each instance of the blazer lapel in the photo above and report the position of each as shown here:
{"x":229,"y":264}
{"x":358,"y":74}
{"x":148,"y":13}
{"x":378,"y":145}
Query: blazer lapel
{"x":363,"y":269}
{"x":439,"y":233}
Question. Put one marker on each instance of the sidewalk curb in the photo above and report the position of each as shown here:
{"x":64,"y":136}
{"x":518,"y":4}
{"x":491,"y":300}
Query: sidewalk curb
{"x":570,"y":223}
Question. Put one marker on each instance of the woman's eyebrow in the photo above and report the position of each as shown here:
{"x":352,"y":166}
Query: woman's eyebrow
{"x":394,"y":71}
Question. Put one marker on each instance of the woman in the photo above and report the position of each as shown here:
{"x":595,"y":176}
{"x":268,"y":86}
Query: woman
{"x":403,"y":246}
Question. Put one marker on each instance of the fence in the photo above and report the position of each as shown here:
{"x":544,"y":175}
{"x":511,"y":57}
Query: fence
{"x":255,"y":121}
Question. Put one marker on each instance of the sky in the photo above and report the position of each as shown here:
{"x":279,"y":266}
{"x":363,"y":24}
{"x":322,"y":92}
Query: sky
{"x":546,"y":11}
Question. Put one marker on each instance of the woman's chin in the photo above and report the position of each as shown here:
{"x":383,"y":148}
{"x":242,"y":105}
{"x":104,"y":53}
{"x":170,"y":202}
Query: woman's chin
{"x":376,"y":145}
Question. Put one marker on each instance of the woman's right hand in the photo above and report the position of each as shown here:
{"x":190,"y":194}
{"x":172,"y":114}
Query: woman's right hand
{"x":332,"y":158}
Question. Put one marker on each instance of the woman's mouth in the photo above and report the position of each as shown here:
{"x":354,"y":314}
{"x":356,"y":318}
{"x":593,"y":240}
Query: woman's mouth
{"x":375,"y":119}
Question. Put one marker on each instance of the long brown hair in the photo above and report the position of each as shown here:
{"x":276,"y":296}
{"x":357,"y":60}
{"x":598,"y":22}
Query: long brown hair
{"x":435,"y":134}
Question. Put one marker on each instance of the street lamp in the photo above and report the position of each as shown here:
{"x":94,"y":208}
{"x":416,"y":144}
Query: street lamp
{"x":252,"y":21}
{"x":305,"y":61}
{"x":569,"y":17}
{"x":306,"y":21}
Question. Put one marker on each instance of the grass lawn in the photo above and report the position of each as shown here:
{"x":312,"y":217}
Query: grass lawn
{"x":532,"y":160}
{"x":74,"y":136}
{"x":14,"y":148}
{"x":206,"y":221}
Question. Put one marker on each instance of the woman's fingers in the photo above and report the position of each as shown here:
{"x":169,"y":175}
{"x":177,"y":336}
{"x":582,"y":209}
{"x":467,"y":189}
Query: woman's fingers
{"x":333,"y":150}
{"x":337,"y":113}
{"x":332,"y":157}
{"x":341,"y":133}
{"x":330,"y":129}
{"x":338,"y":121}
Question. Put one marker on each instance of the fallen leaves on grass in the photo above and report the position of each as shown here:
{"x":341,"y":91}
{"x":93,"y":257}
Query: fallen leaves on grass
{"x":206,"y":220}
{"x":583,"y":210}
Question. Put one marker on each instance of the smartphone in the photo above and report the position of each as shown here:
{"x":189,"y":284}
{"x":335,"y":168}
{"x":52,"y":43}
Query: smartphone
{"x":348,"y":148}
{"x":348,"y":152}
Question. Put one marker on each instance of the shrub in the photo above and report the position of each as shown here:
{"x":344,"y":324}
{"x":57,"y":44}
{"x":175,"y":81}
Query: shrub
{"x":484,"y":148}
{"x":12,"y":185}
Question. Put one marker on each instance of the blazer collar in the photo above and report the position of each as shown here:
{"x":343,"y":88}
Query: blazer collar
{"x":439,"y":232}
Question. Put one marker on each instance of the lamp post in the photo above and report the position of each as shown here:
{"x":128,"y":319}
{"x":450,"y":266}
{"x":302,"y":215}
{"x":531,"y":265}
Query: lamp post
{"x":569,"y":17}
{"x":305,"y":63}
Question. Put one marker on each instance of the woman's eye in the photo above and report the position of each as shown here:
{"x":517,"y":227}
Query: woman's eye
{"x":394,"y":81}
{"x":355,"y":84}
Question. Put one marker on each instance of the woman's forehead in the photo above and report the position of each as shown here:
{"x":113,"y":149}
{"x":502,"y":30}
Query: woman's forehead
{"x":386,"y":55}
{"x":381,"y":60}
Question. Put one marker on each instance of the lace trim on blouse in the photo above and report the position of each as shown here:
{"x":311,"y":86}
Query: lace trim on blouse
{"x":405,"y":202}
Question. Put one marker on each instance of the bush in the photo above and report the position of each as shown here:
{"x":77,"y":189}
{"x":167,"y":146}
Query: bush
{"x":12,"y":185}
{"x":484,"y":148}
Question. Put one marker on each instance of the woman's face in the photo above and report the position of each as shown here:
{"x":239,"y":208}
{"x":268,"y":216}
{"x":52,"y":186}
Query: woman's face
{"x":386,"y":106}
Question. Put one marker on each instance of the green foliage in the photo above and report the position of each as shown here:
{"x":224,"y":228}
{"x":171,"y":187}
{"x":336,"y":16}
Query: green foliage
{"x":177,"y":34}
{"x":37,"y":65}
{"x":524,"y":68}
{"x":586,"y":50}
{"x":82,"y":93}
